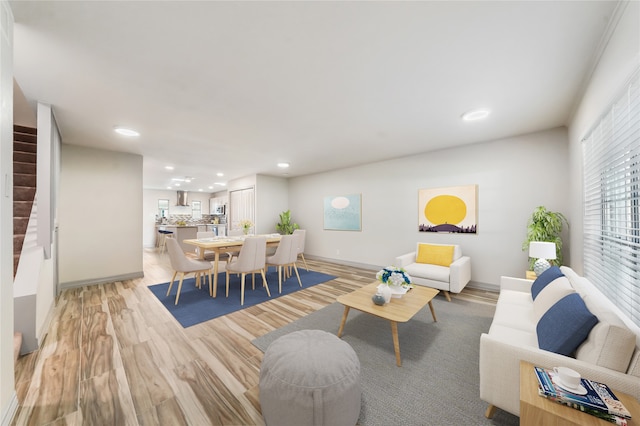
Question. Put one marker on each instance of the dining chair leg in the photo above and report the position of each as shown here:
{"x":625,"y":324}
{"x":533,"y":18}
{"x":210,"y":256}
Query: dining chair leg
{"x":295,"y":268}
{"x":305,"y":262}
{"x":227,"y":295}
{"x":253,"y":281}
{"x":242,"y":288}
{"x":179,"y":287}
{"x":171,"y":282}
{"x":212,"y":291}
{"x":264,"y":281}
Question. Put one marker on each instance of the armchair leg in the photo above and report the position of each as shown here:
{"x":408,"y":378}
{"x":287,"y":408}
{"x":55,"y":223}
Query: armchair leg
{"x":491,"y":411}
{"x":447,"y":295}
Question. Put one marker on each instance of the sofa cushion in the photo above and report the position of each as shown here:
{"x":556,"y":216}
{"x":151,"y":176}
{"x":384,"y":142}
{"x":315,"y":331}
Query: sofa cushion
{"x":550,"y":294}
{"x":634,"y":365}
{"x":565,"y":325}
{"x":427,"y":271}
{"x":435,"y":254}
{"x":544,"y":279}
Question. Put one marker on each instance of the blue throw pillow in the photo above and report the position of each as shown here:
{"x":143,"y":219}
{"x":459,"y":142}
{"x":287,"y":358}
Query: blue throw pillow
{"x":545,"y":278}
{"x":565,"y":325}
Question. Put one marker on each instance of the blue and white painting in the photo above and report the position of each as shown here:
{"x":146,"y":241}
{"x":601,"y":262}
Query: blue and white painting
{"x":343,"y":213}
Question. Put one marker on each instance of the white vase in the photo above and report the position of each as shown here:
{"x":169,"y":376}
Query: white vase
{"x":386,"y":292}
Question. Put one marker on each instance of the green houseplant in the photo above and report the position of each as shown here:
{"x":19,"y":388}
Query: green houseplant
{"x":285,"y":227}
{"x":545,"y":225}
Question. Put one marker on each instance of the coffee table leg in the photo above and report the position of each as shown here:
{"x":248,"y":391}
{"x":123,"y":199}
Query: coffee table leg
{"x":344,"y":319}
{"x":396,"y":342}
{"x":433,"y":313}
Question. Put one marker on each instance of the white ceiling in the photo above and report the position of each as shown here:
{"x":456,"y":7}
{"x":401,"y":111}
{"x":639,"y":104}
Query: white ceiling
{"x":236,"y":87}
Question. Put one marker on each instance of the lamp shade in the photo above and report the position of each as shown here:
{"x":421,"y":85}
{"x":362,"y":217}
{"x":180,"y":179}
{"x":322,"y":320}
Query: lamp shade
{"x":542,"y":250}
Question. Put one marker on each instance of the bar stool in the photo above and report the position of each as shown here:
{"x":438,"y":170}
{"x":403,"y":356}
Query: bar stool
{"x":164,"y":234}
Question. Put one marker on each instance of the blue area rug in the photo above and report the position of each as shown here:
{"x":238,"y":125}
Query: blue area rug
{"x":196,"y":306}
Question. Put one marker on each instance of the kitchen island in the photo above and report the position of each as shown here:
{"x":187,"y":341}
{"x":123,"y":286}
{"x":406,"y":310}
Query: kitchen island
{"x":181,"y":233}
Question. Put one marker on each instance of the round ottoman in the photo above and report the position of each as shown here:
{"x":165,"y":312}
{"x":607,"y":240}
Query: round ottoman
{"x":310,"y":377}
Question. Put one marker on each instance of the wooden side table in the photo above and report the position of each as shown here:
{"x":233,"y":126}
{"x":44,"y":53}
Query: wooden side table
{"x":536,"y":410}
{"x":530,"y":275}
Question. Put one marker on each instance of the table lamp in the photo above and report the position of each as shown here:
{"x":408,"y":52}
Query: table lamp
{"x":542,"y":251}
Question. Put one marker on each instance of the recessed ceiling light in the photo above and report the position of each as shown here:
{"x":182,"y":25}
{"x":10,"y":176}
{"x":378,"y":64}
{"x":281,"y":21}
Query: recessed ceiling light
{"x":211,"y":187}
{"x":169,"y":167}
{"x":176,"y":184}
{"x":200,"y":189}
{"x":476,"y":114}
{"x":219,"y":174}
{"x":220,"y":183}
{"x":283,"y":165}
{"x":125,"y":132}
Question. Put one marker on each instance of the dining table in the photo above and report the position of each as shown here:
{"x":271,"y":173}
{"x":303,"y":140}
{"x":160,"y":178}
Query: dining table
{"x":225,"y":245}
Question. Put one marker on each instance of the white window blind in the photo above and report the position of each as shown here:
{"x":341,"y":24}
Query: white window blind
{"x":612,"y":202}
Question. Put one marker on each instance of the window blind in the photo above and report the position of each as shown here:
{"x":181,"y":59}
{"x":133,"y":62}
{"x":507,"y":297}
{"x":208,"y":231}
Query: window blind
{"x":611,"y":156}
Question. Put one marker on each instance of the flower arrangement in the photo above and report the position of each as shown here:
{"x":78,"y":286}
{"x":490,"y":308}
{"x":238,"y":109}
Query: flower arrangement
{"x":246,"y":224}
{"x":392,"y":275}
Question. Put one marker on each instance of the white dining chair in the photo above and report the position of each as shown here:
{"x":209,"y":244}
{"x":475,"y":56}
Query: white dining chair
{"x":302,"y":236}
{"x":285,"y":256}
{"x":251,"y":259}
{"x":184,"y":265}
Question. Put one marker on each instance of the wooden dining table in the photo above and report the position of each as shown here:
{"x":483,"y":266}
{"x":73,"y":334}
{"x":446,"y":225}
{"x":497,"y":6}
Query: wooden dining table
{"x":226,"y":245}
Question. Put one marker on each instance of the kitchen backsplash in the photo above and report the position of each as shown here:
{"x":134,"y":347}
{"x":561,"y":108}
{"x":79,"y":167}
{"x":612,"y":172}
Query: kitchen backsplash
{"x":206,"y":218}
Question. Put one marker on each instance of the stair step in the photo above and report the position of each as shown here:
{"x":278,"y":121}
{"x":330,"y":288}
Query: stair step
{"x":25,"y":157}
{"x":18,"y":239}
{"x":24,"y":146}
{"x":25,"y":168}
{"x":22,"y":208}
{"x":23,"y":193}
{"x":20,"y":225}
{"x":22,"y":129}
{"x":22,"y":179}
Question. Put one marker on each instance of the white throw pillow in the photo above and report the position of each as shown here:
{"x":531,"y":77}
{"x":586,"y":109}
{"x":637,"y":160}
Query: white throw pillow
{"x":610,"y":343}
{"x":548,"y":296}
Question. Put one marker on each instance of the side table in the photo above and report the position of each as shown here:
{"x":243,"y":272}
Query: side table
{"x":536,"y":410}
{"x":530,"y":275}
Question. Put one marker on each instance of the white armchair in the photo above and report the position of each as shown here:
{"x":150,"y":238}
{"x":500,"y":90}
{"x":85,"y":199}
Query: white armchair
{"x":450,"y":279}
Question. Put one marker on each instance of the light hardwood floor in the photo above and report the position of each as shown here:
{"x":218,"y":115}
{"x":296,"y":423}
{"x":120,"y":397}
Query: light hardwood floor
{"x":115,"y":356}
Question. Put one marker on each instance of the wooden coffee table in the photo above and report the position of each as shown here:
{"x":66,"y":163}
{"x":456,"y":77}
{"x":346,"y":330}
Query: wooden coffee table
{"x":398,"y":310}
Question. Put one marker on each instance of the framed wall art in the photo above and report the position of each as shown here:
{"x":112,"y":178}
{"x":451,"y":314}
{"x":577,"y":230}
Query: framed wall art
{"x":343,"y":212}
{"x":452,"y":209}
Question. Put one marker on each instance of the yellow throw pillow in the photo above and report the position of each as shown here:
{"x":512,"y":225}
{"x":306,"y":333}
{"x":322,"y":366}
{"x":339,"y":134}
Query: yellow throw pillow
{"x":435,"y":255}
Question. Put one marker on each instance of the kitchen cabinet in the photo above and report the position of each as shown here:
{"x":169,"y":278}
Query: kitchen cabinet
{"x":217,"y":205}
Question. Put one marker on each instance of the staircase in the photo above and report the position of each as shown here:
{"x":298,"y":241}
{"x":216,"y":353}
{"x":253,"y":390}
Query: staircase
{"x":24,"y":185}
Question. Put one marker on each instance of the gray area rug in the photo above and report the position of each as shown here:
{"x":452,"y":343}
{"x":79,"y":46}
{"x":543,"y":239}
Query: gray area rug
{"x":438,"y":383}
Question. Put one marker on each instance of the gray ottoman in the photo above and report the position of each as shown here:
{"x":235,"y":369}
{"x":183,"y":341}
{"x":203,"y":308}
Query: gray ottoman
{"x":310,"y":377}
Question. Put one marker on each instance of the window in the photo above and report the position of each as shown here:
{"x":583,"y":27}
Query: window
{"x":611,"y":155}
{"x":163,"y":208}
{"x":196,"y":210}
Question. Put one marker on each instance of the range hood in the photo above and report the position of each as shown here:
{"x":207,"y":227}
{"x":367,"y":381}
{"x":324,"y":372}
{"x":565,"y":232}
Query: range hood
{"x":182,"y":199}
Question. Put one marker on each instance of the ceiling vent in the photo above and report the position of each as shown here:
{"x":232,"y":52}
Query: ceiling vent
{"x":182,"y":199}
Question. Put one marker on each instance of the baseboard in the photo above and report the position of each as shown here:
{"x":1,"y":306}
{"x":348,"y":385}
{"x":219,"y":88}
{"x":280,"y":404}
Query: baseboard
{"x":484,"y":286}
{"x":10,"y":411}
{"x":346,"y":263}
{"x":104,"y":280}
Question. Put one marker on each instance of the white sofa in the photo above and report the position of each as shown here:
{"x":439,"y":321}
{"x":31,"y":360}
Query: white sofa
{"x":448,"y":279}
{"x":610,"y":353}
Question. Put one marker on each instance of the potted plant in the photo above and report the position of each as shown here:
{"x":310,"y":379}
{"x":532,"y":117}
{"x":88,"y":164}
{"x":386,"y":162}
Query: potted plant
{"x":285,"y":227}
{"x":545,"y":225}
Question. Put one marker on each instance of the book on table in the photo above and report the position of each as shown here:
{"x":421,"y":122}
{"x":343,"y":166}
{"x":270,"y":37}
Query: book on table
{"x":593,"y":397}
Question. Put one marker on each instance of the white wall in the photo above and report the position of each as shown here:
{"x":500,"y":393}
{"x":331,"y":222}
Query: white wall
{"x":513,"y":175}
{"x":8,"y":401}
{"x":272,"y":198}
{"x":100,"y":216}
{"x":616,"y":64}
{"x":150,"y":209}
